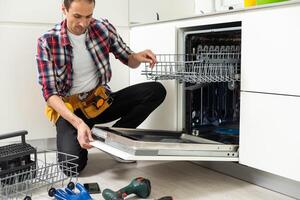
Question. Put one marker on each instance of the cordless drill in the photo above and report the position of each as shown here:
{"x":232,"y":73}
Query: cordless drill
{"x":140,"y":186}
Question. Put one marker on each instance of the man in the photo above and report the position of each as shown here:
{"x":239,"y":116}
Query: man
{"x":73,"y":60}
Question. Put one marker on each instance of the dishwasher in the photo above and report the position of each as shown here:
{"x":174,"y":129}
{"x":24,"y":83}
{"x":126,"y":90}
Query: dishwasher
{"x":208,"y":69}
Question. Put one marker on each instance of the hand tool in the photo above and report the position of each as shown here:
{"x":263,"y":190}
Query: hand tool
{"x":140,"y":186}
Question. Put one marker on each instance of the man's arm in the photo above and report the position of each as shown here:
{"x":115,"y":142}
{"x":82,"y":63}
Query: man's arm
{"x":135,"y":59}
{"x":84,"y":135}
{"x":124,"y":53}
{"x":47,"y":80}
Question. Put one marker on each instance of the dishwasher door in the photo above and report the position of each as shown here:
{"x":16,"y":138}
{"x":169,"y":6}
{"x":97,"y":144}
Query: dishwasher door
{"x":143,"y":144}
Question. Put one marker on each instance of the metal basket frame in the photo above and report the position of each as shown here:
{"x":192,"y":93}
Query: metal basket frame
{"x":44,"y":174}
{"x":203,"y":67}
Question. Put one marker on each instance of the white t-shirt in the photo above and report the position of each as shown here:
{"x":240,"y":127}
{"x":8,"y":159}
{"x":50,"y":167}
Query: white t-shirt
{"x":85,"y":72}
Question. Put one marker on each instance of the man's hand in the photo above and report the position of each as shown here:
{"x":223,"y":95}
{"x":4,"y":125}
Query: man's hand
{"x":84,"y":135}
{"x":136,"y":59}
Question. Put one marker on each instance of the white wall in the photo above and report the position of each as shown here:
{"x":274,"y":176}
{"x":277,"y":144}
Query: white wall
{"x":21,"y":23}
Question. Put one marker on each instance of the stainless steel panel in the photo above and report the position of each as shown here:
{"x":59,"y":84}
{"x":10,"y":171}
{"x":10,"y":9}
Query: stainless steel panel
{"x":139,"y":144}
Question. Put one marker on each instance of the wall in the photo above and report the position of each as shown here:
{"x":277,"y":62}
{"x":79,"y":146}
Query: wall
{"x":21,"y":23}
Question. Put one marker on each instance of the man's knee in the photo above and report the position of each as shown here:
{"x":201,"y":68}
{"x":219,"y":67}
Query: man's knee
{"x":68,"y":148}
{"x":159,"y":91}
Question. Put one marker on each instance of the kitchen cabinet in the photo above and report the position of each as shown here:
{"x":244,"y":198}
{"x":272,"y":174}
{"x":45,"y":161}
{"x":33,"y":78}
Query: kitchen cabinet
{"x":270,"y":50}
{"x":160,"y":38}
{"x":116,"y":11}
{"x":270,"y":93}
{"x":143,"y":11}
{"x":269,"y":84}
{"x":31,"y":11}
{"x":269,"y":133}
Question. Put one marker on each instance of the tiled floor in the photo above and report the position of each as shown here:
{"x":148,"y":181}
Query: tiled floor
{"x":182,"y":180}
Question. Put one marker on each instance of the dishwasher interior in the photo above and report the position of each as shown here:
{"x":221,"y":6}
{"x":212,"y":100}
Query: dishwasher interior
{"x":212,"y":102}
{"x":208,"y":70}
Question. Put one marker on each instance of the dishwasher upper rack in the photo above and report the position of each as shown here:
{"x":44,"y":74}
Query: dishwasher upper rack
{"x":203,"y":67}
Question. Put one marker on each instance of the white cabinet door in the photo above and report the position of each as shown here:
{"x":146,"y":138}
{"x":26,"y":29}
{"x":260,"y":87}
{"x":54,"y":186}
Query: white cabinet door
{"x":22,"y":104}
{"x":143,"y":11}
{"x":33,"y":11}
{"x":160,"y":39}
{"x":270,"y":138}
{"x":270,"y":50}
{"x":120,"y":72}
{"x":116,"y":11}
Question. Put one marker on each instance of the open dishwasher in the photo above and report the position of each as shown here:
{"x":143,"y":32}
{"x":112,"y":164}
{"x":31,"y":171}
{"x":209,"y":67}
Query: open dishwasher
{"x":209,"y":71}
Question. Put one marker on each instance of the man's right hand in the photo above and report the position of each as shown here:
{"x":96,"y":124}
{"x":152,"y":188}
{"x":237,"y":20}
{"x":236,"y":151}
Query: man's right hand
{"x":84,"y":135}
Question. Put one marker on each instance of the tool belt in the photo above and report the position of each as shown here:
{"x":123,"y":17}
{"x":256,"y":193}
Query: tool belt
{"x":91,"y":103}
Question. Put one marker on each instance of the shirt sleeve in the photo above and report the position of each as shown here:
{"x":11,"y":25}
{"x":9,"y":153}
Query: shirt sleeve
{"x":117,"y":46}
{"x":46,"y":74}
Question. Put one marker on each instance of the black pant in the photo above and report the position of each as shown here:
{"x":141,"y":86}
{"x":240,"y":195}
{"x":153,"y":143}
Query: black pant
{"x":131,"y":105}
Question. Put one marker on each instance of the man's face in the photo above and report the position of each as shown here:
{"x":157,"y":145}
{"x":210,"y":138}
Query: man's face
{"x":79,"y":16}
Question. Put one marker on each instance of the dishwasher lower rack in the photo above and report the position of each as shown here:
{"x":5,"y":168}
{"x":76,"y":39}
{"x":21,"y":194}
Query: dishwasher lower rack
{"x":205,"y":67}
{"x":47,"y":172}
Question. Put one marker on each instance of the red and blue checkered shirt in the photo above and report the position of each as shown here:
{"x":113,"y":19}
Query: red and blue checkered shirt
{"x":54,"y":55}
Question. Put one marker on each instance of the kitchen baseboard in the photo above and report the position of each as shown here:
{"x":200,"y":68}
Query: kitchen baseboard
{"x":263,"y":179}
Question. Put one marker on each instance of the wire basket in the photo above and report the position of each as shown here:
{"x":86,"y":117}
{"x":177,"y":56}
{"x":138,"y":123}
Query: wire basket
{"x":46,"y":173}
{"x":210,"y":64}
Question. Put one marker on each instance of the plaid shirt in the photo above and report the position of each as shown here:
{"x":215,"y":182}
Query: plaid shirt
{"x":54,"y":55}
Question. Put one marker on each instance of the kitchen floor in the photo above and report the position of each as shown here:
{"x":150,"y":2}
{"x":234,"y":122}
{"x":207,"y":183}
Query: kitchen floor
{"x":182,"y":180}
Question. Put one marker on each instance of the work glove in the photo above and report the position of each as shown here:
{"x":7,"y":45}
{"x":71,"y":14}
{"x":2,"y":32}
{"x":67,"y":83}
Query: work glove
{"x":68,"y":194}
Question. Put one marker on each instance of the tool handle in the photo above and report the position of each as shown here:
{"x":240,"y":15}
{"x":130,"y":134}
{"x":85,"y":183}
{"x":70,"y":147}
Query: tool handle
{"x":123,"y":192}
{"x":166,"y":198}
{"x":108,"y":194}
{"x":14,"y":134}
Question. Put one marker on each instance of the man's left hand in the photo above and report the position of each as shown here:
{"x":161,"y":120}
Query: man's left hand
{"x":147,"y":56}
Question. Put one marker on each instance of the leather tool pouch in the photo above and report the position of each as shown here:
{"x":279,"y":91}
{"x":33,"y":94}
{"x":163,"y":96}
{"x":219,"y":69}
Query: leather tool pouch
{"x":93,"y":103}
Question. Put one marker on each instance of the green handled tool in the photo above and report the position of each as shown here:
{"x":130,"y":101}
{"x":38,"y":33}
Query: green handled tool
{"x":140,"y":186}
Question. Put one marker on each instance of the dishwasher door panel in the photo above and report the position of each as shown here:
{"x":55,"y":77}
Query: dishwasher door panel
{"x":142,"y":144}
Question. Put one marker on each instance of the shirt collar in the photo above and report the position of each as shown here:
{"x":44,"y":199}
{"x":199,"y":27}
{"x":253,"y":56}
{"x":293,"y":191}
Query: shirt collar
{"x":64,"y":34}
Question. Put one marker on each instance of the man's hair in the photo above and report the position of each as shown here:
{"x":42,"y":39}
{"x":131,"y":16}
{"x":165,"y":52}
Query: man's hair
{"x":67,"y":3}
